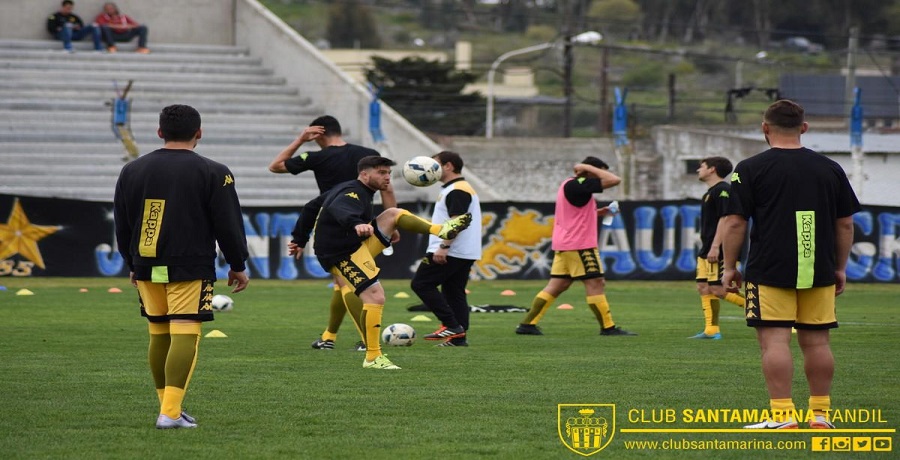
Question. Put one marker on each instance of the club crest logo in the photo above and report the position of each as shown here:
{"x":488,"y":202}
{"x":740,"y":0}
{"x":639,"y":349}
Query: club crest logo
{"x":586,"y":428}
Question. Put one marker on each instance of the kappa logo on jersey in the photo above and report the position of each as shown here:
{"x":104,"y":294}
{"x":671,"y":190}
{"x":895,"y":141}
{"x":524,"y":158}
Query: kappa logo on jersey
{"x":723,"y":194}
{"x":735,"y":177}
{"x":304,"y":156}
{"x":228,"y":180}
{"x":353,"y":195}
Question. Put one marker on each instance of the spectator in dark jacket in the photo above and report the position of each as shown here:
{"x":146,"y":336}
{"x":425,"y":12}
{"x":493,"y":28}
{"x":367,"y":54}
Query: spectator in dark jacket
{"x":66,"y":26}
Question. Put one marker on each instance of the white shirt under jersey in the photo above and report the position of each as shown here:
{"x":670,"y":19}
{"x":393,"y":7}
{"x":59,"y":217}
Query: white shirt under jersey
{"x":467,"y":244}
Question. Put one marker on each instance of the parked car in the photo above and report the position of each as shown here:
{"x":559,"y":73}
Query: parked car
{"x":803,"y":45}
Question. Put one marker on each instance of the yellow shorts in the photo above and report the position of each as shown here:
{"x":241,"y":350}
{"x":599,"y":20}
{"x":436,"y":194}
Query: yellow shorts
{"x":811,"y":308}
{"x":709,"y":273}
{"x":359,"y":269}
{"x":188,"y":300}
{"x":577,"y":265}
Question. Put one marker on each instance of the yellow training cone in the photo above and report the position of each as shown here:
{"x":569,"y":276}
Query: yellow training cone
{"x":215,"y":333}
{"x":83,"y":290}
{"x":420,"y":318}
{"x":24,"y":292}
{"x":401,"y":295}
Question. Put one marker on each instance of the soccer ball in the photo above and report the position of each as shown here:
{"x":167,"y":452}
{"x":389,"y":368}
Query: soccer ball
{"x":222,"y":303}
{"x":422,"y":171}
{"x":398,"y":335}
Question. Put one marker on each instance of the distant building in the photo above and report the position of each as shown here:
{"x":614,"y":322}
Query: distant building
{"x":823,"y":97}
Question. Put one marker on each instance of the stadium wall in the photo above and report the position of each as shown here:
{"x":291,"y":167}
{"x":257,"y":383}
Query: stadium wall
{"x":648,"y":240}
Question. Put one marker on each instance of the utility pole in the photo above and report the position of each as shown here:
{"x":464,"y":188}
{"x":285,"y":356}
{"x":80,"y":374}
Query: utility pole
{"x":567,"y":84}
{"x":670,"y":115}
{"x":853,"y":109}
{"x":852,"y":51}
{"x":604,"y":92}
{"x":567,"y":69}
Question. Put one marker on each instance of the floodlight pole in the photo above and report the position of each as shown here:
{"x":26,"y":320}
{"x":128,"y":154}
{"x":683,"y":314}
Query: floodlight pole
{"x":489,"y":118}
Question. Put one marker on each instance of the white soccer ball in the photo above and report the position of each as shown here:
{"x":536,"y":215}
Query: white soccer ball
{"x":422,"y":171}
{"x":398,"y":335}
{"x":222,"y":303}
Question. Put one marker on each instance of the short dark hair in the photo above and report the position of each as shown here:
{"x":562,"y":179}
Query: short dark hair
{"x":179,"y":122}
{"x":784,"y":113}
{"x":67,"y":2}
{"x":723,"y":165}
{"x":450,"y":157}
{"x":372,"y":162}
{"x":331,"y":125}
{"x":595,"y":162}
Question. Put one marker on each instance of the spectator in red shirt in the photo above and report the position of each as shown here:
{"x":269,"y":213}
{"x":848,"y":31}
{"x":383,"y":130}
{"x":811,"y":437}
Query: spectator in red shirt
{"x":117,"y":27}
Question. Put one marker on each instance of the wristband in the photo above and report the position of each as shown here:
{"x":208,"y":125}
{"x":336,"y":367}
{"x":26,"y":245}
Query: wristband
{"x":444,"y":246}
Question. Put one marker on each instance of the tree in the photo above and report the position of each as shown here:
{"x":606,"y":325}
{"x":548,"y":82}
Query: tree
{"x":351,"y":25}
{"x":429,"y":94}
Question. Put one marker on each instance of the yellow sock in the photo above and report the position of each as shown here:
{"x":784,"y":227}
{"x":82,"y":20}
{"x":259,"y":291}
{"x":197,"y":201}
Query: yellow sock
{"x":179,"y":366}
{"x":600,"y":306}
{"x":354,"y":305}
{"x":820,"y":405}
{"x":409,"y":221}
{"x":160,"y":340}
{"x":336,"y":313}
{"x":173,"y":397}
{"x":714,"y":307}
{"x":539,"y":306}
{"x":371,"y":316}
{"x":706,"y":302}
{"x":736,"y":299}
{"x":782,"y":409}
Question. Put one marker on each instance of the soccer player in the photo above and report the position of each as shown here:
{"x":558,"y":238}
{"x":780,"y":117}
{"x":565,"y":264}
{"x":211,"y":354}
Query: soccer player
{"x":348,"y":236}
{"x":574,"y":241}
{"x":712,"y":172}
{"x":802,"y":208}
{"x":335,"y":162}
{"x":447,"y":262}
{"x":171,"y":207}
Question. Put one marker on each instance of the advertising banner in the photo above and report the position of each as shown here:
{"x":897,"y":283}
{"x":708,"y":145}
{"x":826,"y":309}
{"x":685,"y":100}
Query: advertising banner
{"x":647,"y":240}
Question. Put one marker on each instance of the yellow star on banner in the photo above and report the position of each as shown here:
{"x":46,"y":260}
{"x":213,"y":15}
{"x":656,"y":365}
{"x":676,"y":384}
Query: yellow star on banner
{"x":19,"y":236}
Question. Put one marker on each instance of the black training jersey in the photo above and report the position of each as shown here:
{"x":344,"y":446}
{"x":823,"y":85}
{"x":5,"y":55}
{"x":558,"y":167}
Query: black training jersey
{"x":171,"y":207}
{"x":331,"y":165}
{"x":715,"y":201}
{"x":793,"y":197}
{"x":344,"y":207}
{"x":581,"y":190}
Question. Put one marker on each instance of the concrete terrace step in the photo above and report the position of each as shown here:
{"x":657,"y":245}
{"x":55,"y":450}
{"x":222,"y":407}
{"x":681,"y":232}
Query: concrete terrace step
{"x":51,"y":82}
{"x":238,"y":121}
{"x":210,"y":130}
{"x":155,"y":76}
{"x":109,"y":147}
{"x":157,"y":48}
{"x":204,"y":106}
{"x":82,"y":56}
{"x":55,"y":136}
{"x":136,"y":94}
{"x":141,"y":137}
{"x":67,"y":64}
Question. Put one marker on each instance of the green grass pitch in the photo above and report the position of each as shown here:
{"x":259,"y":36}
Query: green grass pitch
{"x":75,"y":383}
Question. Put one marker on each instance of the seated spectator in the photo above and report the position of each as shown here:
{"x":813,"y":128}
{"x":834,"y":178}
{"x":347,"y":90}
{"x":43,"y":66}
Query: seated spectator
{"x":117,"y":27}
{"x":66,"y":26}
